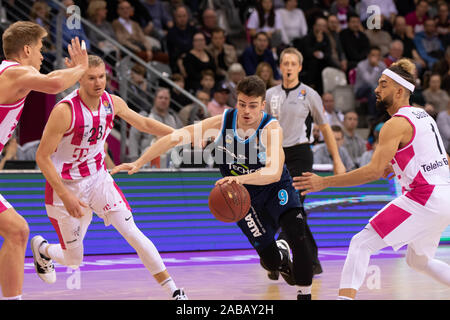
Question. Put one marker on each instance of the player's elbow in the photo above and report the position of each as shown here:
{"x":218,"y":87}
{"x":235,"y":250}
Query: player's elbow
{"x":55,"y":86}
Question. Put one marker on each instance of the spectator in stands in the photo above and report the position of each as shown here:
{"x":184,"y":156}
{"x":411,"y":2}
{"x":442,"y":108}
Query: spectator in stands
{"x":435,"y":95}
{"x":354,"y":144}
{"x":342,"y":10}
{"x":334,"y":117}
{"x":322,"y":155}
{"x":161,"y":18}
{"x":14,"y":151}
{"x":139,"y":92}
{"x":40,"y":13}
{"x":208,"y":81}
{"x":443,"y":123}
{"x":194,"y":112}
{"x":395,"y":53}
{"x":218,"y":104}
{"x":97,"y":12}
{"x":379,"y":37}
{"x":317,"y":135}
{"x":355,"y":43}
{"x":264,"y":71}
{"x":259,"y":51}
{"x":387,"y":9}
{"x":400,"y":32}
{"x":317,"y":54}
{"x":428,"y":44}
{"x":337,"y":52}
{"x":138,"y":141}
{"x":374,"y":132}
{"x":367,"y":155}
{"x":195,"y":61}
{"x":265,"y":19}
{"x":68,"y":32}
{"x":179,"y":37}
{"x":293,"y":21}
{"x":368,"y":72}
{"x":415,"y":20}
{"x":177,"y":99}
{"x":235,"y":74}
{"x":224,"y":55}
{"x":208,"y":24}
{"x":130,"y":34}
{"x":443,"y":68}
{"x":443,"y":23}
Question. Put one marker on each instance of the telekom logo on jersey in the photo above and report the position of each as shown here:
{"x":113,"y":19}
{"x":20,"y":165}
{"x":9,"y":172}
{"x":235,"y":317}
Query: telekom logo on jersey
{"x":80,"y":153}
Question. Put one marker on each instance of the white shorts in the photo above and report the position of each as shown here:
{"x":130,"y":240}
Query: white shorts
{"x":4,"y":204}
{"x":98,"y":191}
{"x":405,"y":221}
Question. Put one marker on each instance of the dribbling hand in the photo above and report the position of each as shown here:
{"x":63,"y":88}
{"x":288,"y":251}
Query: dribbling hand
{"x":228,"y":180}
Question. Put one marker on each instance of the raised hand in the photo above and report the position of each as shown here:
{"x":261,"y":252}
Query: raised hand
{"x":78,"y":54}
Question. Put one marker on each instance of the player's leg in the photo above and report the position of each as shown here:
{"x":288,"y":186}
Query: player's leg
{"x":420,"y":257}
{"x":299,"y":159}
{"x":14,"y":231}
{"x":146,"y":250}
{"x":362,"y":246}
{"x":293,"y":224}
{"x":69,"y":252}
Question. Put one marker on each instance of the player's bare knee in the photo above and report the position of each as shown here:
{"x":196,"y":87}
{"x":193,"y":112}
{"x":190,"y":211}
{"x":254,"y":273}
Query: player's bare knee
{"x":18,"y":235}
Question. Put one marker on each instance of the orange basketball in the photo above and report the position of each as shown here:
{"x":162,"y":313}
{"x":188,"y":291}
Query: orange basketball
{"x":229,"y":202}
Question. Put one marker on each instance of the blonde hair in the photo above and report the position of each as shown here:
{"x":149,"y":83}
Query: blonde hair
{"x":94,"y":61}
{"x":94,"y":6}
{"x":20,"y":34}
{"x":406,"y":69}
{"x":292,"y":50}
{"x":406,"y":65}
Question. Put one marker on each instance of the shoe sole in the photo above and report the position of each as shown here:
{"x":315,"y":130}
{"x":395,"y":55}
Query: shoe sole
{"x":33,"y":240}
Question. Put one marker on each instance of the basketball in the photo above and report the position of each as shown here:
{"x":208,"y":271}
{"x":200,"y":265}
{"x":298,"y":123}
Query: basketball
{"x":229,"y":202}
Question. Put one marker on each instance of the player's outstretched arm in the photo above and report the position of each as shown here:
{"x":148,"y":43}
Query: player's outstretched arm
{"x":330,"y":141}
{"x":143,"y":124}
{"x":390,"y":137}
{"x":57,"y":124}
{"x":56,"y":81}
{"x":186,"y":135}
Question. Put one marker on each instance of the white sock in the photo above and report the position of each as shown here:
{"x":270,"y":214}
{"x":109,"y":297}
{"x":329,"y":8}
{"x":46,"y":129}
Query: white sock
{"x":304,"y":289}
{"x":19,"y":297}
{"x":344,"y":298}
{"x":42,"y":249}
{"x":169,"y":286}
{"x":55,"y":252}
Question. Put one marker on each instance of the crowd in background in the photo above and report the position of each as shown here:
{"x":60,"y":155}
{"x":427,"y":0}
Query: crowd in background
{"x":208,"y":46}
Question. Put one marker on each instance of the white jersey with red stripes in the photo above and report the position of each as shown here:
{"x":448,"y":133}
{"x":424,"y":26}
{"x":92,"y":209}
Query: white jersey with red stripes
{"x":422,"y":164}
{"x":80,"y":153}
{"x":9,"y":113}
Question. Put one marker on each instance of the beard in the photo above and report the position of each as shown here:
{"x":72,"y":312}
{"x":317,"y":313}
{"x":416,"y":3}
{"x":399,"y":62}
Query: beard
{"x":384,"y":104}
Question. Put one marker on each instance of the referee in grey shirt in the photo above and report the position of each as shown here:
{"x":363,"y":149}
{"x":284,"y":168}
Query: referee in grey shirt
{"x":297,"y":106}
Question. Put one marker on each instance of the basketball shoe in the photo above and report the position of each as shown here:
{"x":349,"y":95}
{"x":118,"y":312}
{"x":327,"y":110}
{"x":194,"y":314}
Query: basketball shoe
{"x":179,"y":294}
{"x":44,"y":266}
{"x":286,"y":262}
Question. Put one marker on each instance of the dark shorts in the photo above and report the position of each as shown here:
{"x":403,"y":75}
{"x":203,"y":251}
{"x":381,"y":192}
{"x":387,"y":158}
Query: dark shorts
{"x":268,"y":203}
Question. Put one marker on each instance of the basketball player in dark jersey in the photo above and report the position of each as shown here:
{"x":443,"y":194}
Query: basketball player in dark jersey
{"x":248,"y":150}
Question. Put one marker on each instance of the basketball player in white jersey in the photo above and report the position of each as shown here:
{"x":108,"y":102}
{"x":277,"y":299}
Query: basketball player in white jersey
{"x":19,"y":74}
{"x":410,"y":146}
{"x":71,"y":156}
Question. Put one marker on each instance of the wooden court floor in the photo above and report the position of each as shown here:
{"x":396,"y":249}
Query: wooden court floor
{"x":230,"y":275}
